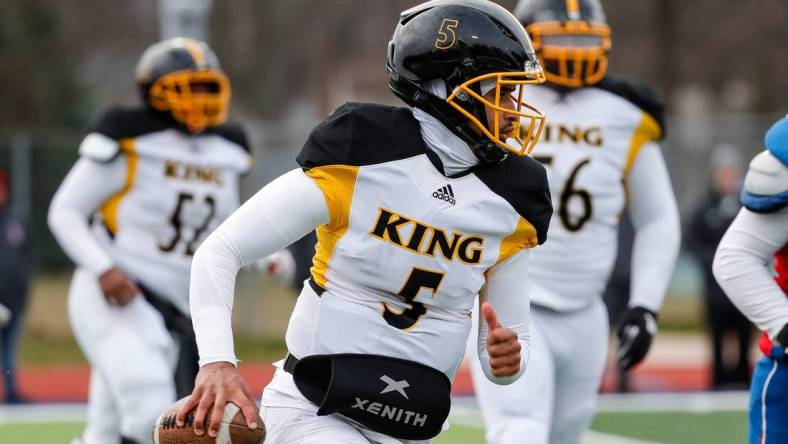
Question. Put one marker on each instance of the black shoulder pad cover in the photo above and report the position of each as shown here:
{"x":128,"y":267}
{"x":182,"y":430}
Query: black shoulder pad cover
{"x":122,"y":123}
{"x":234,"y":133}
{"x":522,"y":181}
{"x":359,"y":134}
{"x":639,"y":94}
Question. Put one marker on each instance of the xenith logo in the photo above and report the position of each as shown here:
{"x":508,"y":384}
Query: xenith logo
{"x":395,"y":386}
{"x":445,"y":193}
{"x":393,"y":413}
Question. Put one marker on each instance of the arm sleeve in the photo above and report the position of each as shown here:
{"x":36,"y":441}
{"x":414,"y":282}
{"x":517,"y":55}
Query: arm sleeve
{"x":655,"y":217}
{"x":279,"y":214}
{"x":741,"y":267}
{"x":89,"y":184}
{"x":507,"y":291}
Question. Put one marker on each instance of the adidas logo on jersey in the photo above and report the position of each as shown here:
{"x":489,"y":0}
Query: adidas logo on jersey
{"x":445,"y":193}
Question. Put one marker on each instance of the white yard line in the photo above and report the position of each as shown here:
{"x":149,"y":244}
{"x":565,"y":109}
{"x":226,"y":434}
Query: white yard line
{"x":470,"y":417}
{"x":466,"y":416}
{"x":592,"y":437}
{"x":701,"y":402}
{"x":33,"y":413}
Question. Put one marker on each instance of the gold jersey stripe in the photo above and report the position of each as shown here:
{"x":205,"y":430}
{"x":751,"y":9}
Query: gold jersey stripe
{"x":337,"y":183}
{"x":523,"y":236}
{"x":647,"y":130}
{"x":109,"y":210}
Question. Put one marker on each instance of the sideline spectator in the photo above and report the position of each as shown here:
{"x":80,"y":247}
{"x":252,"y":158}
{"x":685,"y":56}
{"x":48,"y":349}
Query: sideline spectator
{"x":14,"y":279}
{"x":712,"y":216}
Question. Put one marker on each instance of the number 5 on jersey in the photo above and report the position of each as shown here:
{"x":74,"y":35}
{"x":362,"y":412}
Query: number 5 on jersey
{"x":419,"y":278}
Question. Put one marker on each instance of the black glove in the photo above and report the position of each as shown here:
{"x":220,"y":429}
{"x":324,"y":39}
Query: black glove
{"x":782,"y":338}
{"x":636,"y":328}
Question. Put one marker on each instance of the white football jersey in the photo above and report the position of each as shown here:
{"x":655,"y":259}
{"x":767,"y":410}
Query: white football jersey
{"x":405,"y":252}
{"x":590,"y":141}
{"x":178,"y":188}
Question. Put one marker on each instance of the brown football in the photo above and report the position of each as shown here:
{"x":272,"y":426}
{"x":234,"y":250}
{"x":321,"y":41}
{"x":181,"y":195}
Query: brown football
{"x":233,"y":429}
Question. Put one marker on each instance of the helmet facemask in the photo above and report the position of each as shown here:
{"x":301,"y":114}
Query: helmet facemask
{"x":573,"y":53}
{"x":197,"y":99}
{"x":469,"y":99}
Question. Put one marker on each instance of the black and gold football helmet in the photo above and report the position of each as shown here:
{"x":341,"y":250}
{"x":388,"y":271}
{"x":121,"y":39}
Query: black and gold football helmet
{"x":182,"y":77}
{"x":571,"y":37}
{"x":467,"y":44}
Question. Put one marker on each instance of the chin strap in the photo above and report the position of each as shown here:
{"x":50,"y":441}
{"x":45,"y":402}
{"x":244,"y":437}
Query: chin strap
{"x":412,"y":94}
{"x":489,"y":152}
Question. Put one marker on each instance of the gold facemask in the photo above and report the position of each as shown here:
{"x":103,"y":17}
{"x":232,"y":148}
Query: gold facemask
{"x":527,"y":129}
{"x":197,"y":110}
{"x":571,"y":65}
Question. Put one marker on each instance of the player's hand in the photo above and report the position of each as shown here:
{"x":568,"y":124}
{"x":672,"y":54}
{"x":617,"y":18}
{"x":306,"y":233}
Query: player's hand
{"x":636,"y":329}
{"x":217,"y":384}
{"x":118,"y":289}
{"x":503,"y":348}
{"x":279,"y":266}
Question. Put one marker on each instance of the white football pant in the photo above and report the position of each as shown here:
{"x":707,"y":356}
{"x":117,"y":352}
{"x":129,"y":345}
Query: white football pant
{"x":555,"y":399}
{"x":132,"y":356}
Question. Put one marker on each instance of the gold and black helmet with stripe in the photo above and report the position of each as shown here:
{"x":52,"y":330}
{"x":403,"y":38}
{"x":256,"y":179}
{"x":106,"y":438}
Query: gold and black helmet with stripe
{"x":571,"y":37}
{"x":182,"y":77}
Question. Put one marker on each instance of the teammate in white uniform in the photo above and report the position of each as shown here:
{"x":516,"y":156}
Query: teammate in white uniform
{"x":742,"y":267}
{"x":417,"y":211}
{"x":150,"y":184}
{"x":600,"y":149}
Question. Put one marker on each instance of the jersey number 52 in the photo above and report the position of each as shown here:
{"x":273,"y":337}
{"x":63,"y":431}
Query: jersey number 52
{"x":177,"y":225}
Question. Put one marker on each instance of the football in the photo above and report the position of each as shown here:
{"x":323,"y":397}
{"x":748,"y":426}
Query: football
{"x":233,"y":429}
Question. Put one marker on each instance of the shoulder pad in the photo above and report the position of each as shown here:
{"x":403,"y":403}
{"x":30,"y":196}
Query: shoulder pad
{"x":122,"y":123}
{"x":766,"y":184}
{"x":522,"y":181}
{"x":639,"y":94}
{"x":99,"y":147}
{"x":776,"y":140}
{"x":359,"y":134}
{"x":234,"y":133}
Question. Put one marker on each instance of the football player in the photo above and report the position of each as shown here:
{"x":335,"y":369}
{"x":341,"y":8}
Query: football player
{"x":417,"y":211}
{"x":150,"y":184}
{"x":600,"y":149}
{"x":741,"y":266}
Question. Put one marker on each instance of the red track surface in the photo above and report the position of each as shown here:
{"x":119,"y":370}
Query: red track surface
{"x":70,"y":383}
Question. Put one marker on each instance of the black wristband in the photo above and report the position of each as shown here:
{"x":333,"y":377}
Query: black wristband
{"x":782,"y":336}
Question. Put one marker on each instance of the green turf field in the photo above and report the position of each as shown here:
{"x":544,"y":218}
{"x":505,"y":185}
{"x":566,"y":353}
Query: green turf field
{"x":39,"y":433}
{"x":677,"y":427}
{"x":672,"y":427}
